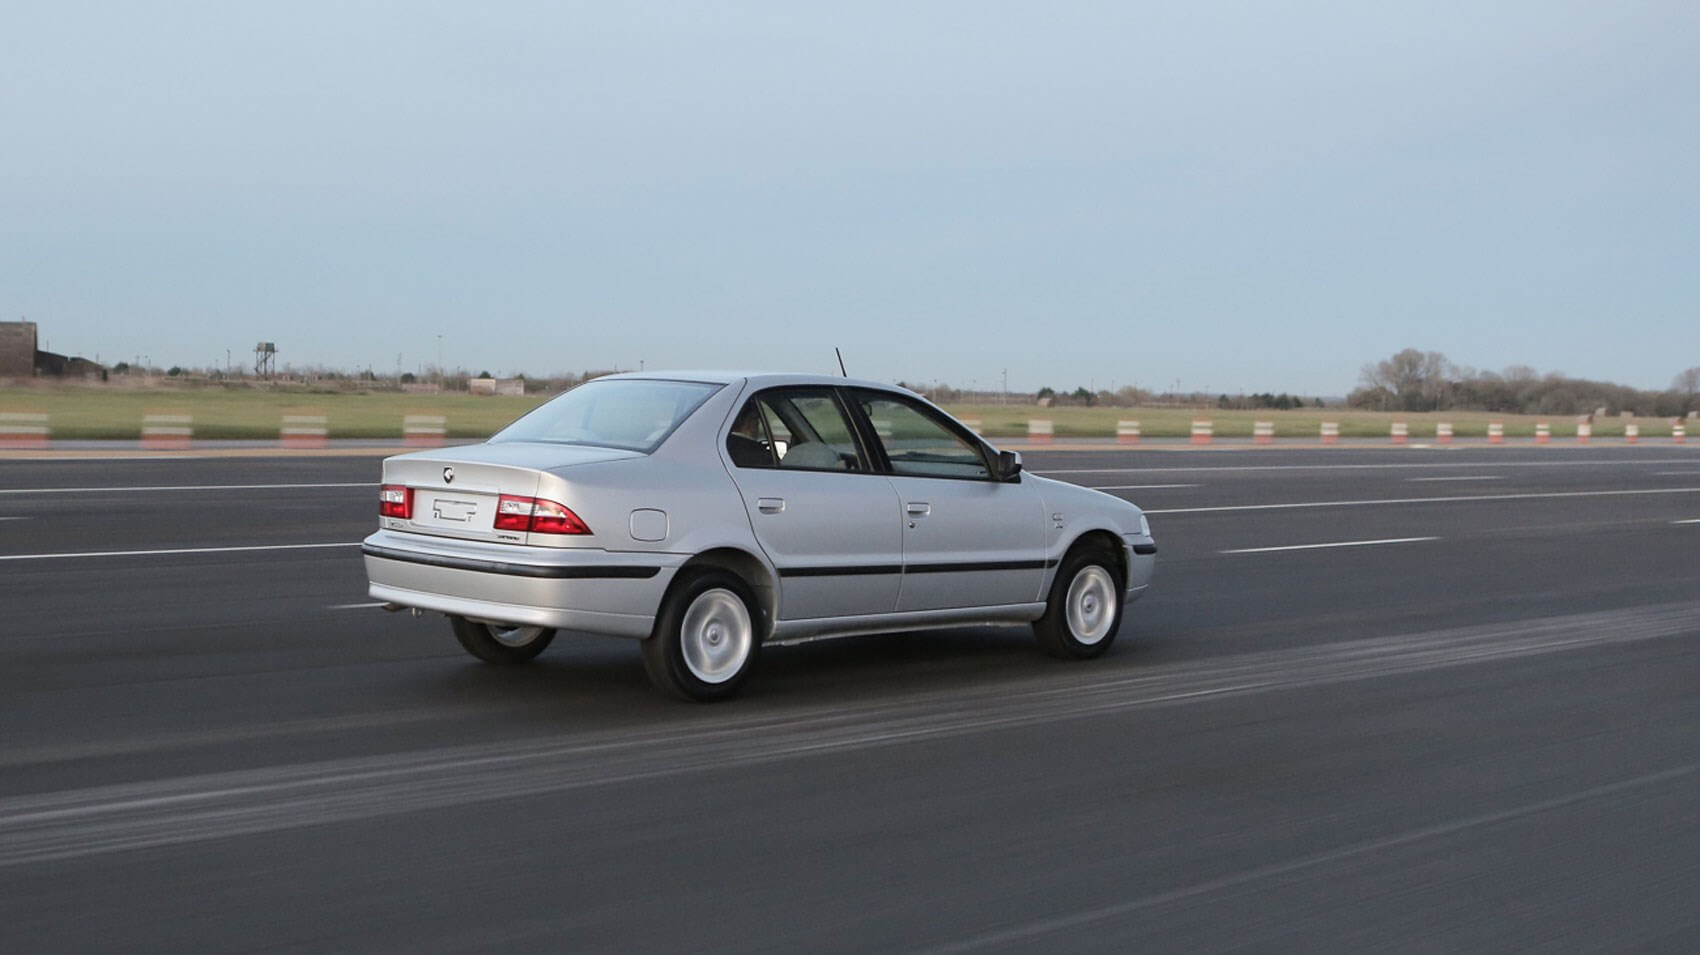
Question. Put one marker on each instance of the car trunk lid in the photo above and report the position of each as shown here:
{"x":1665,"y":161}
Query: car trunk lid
{"x":456,"y":490}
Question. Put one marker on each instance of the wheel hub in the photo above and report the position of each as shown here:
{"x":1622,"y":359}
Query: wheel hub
{"x":1091,"y":604}
{"x":716,"y":635}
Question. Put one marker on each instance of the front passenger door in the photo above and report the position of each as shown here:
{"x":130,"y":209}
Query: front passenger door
{"x":969,"y":540}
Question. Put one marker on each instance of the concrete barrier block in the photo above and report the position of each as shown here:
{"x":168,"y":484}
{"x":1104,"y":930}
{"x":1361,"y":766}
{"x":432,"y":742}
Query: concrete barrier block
{"x":25,"y":430}
{"x":167,"y":431}
{"x":424,"y":430}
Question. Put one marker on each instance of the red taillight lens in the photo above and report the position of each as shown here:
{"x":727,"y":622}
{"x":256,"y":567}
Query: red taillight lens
{"x":552,"y":518}
{"x":396,"y":501}
{"x":536,"y":516}
{"x":514,"y":513}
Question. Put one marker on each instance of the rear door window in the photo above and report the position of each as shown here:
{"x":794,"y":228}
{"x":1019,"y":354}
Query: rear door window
{"x":794,"y":429}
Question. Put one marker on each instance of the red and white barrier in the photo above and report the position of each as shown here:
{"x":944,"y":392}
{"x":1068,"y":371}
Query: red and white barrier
{"x":1040,"y":431}
{"x":973,"y":424}
{"x":424,"y":430}
{"x":1331,"y":432}
{"x":1678,"y":433}
{"x":1127,"y":432}
{"x":1203,"y":432}
{"x":303,"y":431}
{"x":1400,"y":432}
{"x":1584,"y":432}
{"x":1443,"y":433}
{"x":1496,"y":433}
{"x":1543,"y":433}
{"x":1263,"y":432}
{"x":1631,"y":434}
{"x":167,"y":432}
{"x":24,"y":430}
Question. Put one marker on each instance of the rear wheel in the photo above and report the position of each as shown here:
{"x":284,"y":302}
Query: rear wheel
{"x":705,"y":639}
{"x":1085,"y":608}
{"x":499,"y":643}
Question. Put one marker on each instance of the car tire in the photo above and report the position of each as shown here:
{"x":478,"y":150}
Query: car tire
{"x":1085,"y":607}
{"x":706,"y":637}
{"x":494,"y":643}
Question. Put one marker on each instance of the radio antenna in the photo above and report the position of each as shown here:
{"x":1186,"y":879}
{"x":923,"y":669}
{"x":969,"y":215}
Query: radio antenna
{"x":840,"y":355}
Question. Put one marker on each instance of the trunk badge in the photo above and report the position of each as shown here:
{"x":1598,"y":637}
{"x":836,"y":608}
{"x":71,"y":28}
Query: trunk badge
{"x":448,"y":475}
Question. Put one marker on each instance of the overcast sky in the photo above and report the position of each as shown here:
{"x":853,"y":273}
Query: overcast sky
{"x":1235,"y":196}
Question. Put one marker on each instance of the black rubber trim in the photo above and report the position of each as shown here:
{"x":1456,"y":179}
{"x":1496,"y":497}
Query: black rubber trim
{"x":1145,"y":550}
{"x":970,"y":567}
{"x":862,"y":570}
{"x":841,"y":571}
{"x":544,"y":571}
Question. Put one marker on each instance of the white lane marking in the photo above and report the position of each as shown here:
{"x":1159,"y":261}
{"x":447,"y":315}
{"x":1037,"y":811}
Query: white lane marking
{"x":1415,"y":465}
{"x":1136,"y":487}
{"x":1271,"y":550}
{"x":177,"y":550}
{"x":1456,"y":499}
{"x":179,"y":487}
{"x":1018,"y":933}
{"x":14,"y":518}
{"x":1692,"y":520}
{"x":364,"y":606}
{"x":1462,"y":477}
{"x":1691,"y":472}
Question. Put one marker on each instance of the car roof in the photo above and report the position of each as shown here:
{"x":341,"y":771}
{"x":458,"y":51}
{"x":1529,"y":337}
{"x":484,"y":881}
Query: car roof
{"x":757,"y":379}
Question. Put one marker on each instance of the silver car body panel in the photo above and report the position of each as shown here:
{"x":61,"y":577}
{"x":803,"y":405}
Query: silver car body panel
{"x":824,"y":563}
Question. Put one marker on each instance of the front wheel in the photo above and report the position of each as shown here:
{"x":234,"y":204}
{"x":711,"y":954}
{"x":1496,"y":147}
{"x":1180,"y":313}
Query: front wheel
{"x":705,"y":638}
{"x":499,"y":643}
{"x":1085,"y":607}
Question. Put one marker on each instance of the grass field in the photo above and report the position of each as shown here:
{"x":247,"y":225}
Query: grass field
{"x":102,"y":413}
{"x":87,"y":413}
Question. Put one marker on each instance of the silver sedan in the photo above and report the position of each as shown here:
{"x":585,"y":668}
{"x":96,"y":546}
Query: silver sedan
{"x":709,"y":514}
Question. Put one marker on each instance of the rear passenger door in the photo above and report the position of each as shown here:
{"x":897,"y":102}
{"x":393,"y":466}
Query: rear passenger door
{"x":826,"y":518}
{"x":969,"y":540}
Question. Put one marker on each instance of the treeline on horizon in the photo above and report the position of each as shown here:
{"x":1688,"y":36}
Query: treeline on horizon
{"x":1413,"y":380}
{"x":1410,"y":380}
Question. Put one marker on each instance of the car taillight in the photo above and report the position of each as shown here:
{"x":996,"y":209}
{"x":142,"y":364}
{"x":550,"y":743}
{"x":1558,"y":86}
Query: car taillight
{"x":536,"y":515}
{"x":396,"y":501}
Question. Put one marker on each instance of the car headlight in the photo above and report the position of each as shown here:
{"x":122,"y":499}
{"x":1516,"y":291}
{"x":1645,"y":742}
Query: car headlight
{"x":1144,"y":525}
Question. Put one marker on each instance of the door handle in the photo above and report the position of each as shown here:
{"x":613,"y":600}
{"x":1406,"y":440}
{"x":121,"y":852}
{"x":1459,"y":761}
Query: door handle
{"x":920,"y":508}
{"x":770,"y":505}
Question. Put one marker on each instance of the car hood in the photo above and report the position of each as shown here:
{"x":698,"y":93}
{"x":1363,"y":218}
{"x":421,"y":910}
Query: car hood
{"x":1061,"y":495}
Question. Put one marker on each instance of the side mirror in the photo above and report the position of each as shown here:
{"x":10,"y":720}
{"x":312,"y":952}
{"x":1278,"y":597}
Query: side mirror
{"x":1009,"y":465}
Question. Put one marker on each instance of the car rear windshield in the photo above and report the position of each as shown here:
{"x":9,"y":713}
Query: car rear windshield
{"x":629,"y":413}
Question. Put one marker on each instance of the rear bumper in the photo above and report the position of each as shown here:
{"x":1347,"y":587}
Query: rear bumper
{"x":586,"y":589}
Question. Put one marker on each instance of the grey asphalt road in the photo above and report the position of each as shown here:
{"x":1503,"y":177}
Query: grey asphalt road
{"x":1469,"y":723}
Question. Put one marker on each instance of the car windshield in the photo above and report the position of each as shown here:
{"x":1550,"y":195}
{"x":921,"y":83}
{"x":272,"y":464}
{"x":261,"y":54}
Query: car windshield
{"x":629,"y":413}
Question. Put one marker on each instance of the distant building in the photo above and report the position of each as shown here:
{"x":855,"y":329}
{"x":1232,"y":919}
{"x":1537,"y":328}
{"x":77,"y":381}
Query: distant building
{"x":20,"y":358}
{"x":48,"y":364}
{"x":17,"y":349}
{"x":514,"y":387}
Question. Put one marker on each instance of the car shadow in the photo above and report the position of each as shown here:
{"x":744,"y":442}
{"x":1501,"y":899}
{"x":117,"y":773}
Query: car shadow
{"x":585,"y":680}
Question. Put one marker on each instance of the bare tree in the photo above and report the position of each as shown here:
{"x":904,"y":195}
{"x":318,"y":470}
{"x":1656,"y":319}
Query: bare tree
{"x":1417,"y":380}
{"x":1687,"y":382}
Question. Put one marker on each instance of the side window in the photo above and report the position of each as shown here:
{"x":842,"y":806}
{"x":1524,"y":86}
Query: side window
{"x":795,"y":429}
{"x":748,"y":443}
{"x":918,"y":444}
